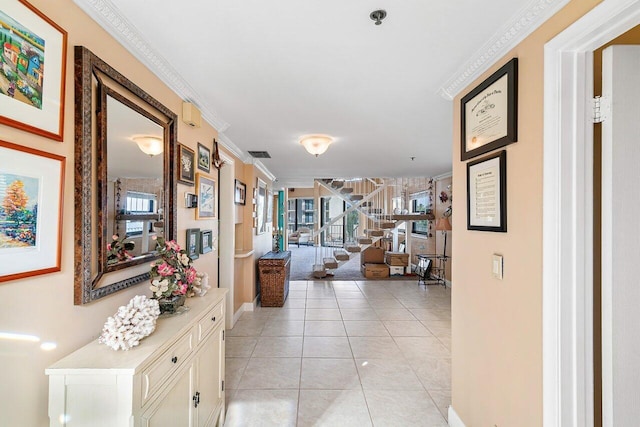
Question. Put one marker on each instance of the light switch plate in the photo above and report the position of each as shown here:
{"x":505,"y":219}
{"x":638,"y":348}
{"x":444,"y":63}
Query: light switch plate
{"x":498,"y":266}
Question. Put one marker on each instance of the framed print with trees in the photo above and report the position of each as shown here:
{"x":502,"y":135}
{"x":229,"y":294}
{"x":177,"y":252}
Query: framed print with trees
{"x":31,"y":187}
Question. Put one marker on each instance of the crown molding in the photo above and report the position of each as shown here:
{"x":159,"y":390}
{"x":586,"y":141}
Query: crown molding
{"x":527,"y":20}
{"x":262,"y":168}
{"x":232,"y":148}
{"x":443,"y":176}
{"x":111,"y":19}
{"x":227,"y":159}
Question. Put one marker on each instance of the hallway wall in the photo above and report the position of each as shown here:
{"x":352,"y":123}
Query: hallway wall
{"x":497,"y":325}
{"x":43,"y":305}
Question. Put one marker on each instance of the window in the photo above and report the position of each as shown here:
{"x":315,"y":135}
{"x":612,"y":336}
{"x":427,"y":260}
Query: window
{"x":420,"y":203}
{"x":305,"y":213}
{"x":300,"y":213}
{"x":138,"y":203}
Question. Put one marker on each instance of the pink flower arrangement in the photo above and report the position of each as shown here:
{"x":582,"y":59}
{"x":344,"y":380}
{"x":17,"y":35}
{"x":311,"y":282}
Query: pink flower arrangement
{"x":172,"y":273}
{"x":118,"y":249}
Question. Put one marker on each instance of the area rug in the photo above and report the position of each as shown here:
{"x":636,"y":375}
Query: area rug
{"x":304,"y":257}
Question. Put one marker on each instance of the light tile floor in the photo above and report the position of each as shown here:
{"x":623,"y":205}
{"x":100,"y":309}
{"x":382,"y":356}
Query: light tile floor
{"x":343,"y":353}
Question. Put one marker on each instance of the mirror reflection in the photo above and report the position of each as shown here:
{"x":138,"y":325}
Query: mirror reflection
{"x":135,"y":184}
{"x":125,"y":155}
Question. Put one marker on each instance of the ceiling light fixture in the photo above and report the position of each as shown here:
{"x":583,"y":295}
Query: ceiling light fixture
{"x":316,"y":144}
{"x":150,"y":145}
{"x":378,"y":15}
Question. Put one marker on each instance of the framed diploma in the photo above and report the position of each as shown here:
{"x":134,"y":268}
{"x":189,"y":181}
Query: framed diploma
{"x":489,"y":113}
{"x":487,"y":193}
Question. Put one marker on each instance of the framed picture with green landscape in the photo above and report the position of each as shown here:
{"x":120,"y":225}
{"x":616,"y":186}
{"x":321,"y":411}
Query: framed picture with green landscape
{"x":32,"y":70}
{"x":31,"y":186}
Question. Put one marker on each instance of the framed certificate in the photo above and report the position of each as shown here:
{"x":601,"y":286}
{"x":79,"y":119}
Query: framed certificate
{"x":489,"y":113}
{"x":487,"y":193}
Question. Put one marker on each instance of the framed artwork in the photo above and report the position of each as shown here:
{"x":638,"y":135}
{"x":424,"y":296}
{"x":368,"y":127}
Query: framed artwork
{"x":489,"y":113}
{"x":33,"y":70}
{"x":261,"y":207}
{"x":31,"y":197}
{"x":206,"y":188}
{"x":186,"y":157}
{"x":487,"y":193}
{"x":240,"y":193}
{"x":204,"y":158}
{"x":269,"y":206}
{"x":206,"y":241}
{"x":193,"y":242}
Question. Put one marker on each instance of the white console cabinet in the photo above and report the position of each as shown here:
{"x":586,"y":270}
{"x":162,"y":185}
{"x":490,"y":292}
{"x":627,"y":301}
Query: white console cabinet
{"x":175,"y":377}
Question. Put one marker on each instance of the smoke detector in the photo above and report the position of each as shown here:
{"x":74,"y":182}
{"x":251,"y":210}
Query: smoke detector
{"x":378,"y":15}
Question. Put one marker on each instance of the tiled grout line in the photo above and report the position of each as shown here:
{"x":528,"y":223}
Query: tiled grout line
{"x":334,"y":297}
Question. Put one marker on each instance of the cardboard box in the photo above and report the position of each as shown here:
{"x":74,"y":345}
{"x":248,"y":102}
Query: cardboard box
{"x":375,"y":271}
{"x":397,"y":258}
{"x":395,"y":270}
{"x":372,"y":255}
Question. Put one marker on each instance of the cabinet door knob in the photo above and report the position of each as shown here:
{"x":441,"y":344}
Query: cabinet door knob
{"x":213,"y":318}
{"x":174,"y":359}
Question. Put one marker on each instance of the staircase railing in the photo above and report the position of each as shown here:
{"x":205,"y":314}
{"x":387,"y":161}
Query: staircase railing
{"x":354,"y":205}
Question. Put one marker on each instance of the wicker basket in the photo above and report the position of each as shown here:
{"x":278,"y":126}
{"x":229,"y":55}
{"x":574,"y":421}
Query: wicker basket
{"x":274,"y":268}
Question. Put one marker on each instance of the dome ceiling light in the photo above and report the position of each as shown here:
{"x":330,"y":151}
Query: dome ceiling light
{"x":150,"y":145}
{"x":316,"y":144}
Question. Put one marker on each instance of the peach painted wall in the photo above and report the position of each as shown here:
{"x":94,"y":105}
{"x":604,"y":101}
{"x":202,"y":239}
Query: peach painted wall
{"x":497,"y":325}
{"x":43,"y":305}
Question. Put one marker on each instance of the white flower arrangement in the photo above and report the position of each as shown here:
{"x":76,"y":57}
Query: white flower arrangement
{"x":130,"y":324}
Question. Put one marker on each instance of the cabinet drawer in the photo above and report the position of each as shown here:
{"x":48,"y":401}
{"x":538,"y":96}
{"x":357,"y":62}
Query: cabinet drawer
{"x":213,"y":318}
{"x":154,"y":376}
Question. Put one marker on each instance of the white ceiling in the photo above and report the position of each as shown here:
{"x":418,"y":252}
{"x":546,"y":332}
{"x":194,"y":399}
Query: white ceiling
{"x":266,"y":72}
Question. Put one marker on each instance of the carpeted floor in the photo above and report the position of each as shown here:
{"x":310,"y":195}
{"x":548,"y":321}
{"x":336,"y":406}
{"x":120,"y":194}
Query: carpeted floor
{"x":304,"y":257}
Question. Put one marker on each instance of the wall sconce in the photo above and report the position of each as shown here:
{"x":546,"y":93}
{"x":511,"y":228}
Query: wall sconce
{"x":316,"y":144}
{"x":151,"y":145}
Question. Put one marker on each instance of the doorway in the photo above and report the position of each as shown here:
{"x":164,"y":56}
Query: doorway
{"x":568,"y":212}
{"x":226,"y":234}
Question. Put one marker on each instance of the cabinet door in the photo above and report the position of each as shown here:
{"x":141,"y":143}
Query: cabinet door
{"x":210,"y":365}
{"x":173,"y":409}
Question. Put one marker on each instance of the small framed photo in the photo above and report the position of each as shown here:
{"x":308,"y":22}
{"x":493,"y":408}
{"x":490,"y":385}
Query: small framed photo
{"x":269,"y":206}
{"x":261,"y":206}
{"x":33,"y":72}
{"x":204,"y":158}
{"x":489,"y":113}
{"x":487,"y":193}
{"x":186,"y":157}
{"x":193,"y":243}
{"x":31,"y":196}
{"x":240,"y":193}
{"x":206,"y":192}
{"x":206,"y":241}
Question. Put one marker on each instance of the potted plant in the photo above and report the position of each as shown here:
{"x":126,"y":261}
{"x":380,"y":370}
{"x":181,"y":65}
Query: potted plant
{"x":118,"y":249}
{"x":172,"y":275}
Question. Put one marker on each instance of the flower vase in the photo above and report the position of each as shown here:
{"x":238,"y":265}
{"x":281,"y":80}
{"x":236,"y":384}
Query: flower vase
{"x":171,"y":304}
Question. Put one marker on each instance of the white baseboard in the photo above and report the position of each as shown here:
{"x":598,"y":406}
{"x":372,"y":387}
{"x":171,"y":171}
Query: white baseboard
{"x":454,"y":419}
{"x":247,"y":306}
{"x":237,"y":314}
{"x":447,"y":283}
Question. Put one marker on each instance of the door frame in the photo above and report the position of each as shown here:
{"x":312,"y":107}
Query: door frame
{"x":226,"y":234}
{"x":568,"y":211}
